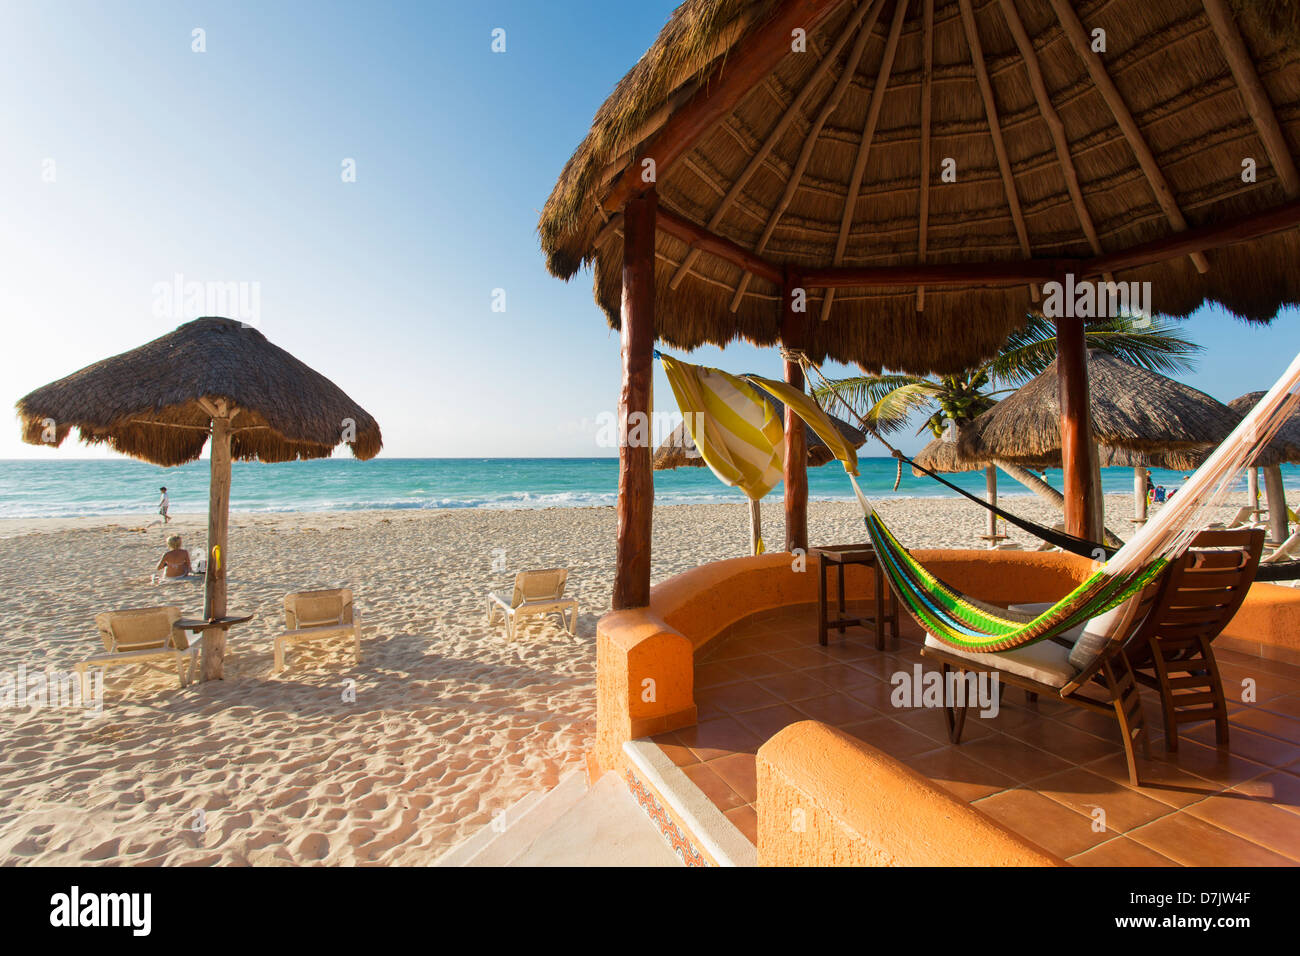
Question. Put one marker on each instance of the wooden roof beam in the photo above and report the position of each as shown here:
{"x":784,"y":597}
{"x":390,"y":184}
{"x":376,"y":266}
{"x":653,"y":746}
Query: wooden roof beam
{"x":1244,"y":229}
{"x":1255,"y":226}
{"x":700,"y":238}
{"x":744,"y":66}
{"x":1258,"y":105}
{"x":927,"y":69}
{"x":829,"y":106}
{"x":995,"y":128}
{"x":941,"y":275}
{"x":1053,"y":121}
{"x":1079,"y":39}
{"x":864,"y":146}
{"x":794,"y":110}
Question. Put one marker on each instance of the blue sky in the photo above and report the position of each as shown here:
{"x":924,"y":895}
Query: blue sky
{"x":225,"y":166}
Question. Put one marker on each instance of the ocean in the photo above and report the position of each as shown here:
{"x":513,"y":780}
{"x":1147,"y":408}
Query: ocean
{"x":106,"y":487}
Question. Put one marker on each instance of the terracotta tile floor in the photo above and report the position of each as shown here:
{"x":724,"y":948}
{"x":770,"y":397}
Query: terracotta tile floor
{"x":1046,"y":770}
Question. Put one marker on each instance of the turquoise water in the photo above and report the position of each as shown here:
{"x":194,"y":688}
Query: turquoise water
{"x":56,"y":489}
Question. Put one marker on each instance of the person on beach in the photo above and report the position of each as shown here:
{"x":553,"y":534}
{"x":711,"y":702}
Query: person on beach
{"x":163,"y":504}
{"x":175,"y":564}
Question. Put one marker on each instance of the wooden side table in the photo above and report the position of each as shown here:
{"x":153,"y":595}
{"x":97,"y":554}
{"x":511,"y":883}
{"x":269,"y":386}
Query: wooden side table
{"x":885,"y":610}
{"x":200,"y":625}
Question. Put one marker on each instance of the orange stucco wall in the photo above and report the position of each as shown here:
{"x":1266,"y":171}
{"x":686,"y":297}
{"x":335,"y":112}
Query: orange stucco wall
{"x":645,"y":682}
{"x":828,"y":799}
{"x":645,"y":657}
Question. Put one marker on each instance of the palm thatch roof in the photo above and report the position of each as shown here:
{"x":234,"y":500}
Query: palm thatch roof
{"x":1283,"y":449}
{"x":678,"y":449}
{"x":835,"y":158}
{"x":149,"y":402}
{"x":1285,"y":446}
{"x":1131,"y":408}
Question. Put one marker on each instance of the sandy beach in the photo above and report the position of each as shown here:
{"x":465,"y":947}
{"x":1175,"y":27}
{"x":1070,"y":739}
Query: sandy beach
{"x":450,"y":721}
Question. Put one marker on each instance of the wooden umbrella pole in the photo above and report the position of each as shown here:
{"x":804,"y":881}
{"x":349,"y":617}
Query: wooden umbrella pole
{"x":214,"y":593}
{"x":1139,"y":495}
{"x":1252,"y":492}
{"x":755,"y":525}
{"x":991,"y":495}
{"x":1275,"y":498}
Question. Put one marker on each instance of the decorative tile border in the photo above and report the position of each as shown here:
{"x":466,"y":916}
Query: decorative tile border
{"x":668,"y":828}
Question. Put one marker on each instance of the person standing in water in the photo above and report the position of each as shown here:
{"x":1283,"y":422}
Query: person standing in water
{"x":163,"y":504}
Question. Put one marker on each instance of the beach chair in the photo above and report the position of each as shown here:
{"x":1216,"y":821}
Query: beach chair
{"x":1203,"y":590}
{"x":1247,"y":516}
{"x":146,"y":636}
{"x":536,"y":594}
{"x":315,"y":616}
{"x":1288,"y":550}
{"x":1085,"y":668}
{"x":1047,"y":545}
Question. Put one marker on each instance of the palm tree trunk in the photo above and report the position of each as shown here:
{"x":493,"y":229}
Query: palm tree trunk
{"x":1047,"y":493}
{"x":1034,"y":484}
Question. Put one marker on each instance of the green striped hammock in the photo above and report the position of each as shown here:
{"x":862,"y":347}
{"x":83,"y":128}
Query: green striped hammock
{"x":971,"y":625}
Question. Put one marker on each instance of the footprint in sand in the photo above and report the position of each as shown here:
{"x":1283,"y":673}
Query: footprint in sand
{"x":312,"y":846}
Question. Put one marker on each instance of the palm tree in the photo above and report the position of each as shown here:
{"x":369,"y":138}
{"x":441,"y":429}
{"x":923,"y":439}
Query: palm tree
{"x":886,"y":402}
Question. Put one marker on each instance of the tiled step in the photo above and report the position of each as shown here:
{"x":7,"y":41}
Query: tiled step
{"x":705,"y":825}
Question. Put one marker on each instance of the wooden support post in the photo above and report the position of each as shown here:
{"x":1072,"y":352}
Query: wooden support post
{"x":214,"y":587}
{"x":635,"y":478}
{"x":991,"y":496}
{"x":1252,"y":492}
{"x":1275,"y":496}
{"x":1077,"y":449}
{"x":793,"y":329}
{"x":755,"y":525}
{"x":1139,"y":495}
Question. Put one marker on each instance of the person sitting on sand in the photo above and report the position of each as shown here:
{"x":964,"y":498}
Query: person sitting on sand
{"x":175,"y":564}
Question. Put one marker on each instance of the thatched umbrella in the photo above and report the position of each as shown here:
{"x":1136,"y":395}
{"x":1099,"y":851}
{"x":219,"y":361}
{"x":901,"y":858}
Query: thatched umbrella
{"x":1131,"y":408}
{"x":210,"y":378}
{"x":678,"y":451}
{"x":1284,"y":448}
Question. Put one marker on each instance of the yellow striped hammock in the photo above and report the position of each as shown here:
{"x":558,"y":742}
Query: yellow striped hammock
{"x":740,"y":439}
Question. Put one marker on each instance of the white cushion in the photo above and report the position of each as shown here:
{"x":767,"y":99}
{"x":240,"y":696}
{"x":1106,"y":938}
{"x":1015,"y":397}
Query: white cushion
{"x":1090,"y":638}
{"x":1046,"y":661}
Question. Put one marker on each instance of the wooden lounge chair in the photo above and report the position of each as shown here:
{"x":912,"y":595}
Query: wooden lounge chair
{"x":142,"y":636}
{"x":536,"y":594}
{"x":1086,"y":667}
{"x":1203,"y":589}
{"x":317,"y":615}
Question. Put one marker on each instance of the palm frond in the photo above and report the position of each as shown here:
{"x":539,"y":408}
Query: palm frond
{"x":896,"y":407}
{"x":1151,"y":343}
{"x":862,"y":392}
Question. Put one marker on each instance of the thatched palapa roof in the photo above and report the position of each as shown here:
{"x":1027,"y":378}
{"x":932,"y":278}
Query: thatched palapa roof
{"x":1060,"y":157}
{"x":678,"y":449}
{"x":1130,"y":408}
{"x":148,"y":402}
{"x":1283,"y":449}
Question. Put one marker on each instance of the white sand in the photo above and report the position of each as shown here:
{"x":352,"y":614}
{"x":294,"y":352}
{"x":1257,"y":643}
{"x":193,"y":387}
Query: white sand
{"x":450,"y":723}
